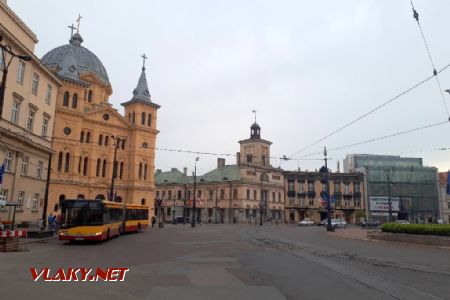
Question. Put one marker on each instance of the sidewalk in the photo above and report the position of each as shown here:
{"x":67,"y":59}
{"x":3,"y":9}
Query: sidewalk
{"x":354,"y":233}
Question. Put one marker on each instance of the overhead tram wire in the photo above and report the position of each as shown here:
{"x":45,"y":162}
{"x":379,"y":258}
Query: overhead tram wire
{"x":435,"y":73}
{"x":376,"y":139}
{"x":369,"y":112}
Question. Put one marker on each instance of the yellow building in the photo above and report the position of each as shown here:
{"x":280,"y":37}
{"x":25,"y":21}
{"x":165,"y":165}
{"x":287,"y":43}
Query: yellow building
{"x":26,"y":122}
{"x":89,"y":133}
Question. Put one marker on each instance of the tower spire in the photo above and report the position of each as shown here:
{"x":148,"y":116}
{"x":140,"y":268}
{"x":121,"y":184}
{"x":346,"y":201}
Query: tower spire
{"x":144,"y":57}
{"x":78,"y":23}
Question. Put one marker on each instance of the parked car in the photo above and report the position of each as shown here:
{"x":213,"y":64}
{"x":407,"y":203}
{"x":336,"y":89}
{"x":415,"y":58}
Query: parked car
{"x":402,"y":222}
{"x":339,"y":223}
{"x":324,"y":222}
{"x":305,"y":222}
{"x":370,"y":224}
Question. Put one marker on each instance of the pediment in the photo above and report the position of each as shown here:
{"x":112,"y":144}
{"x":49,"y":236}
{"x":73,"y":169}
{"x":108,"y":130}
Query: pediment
{"x":107,"y":115}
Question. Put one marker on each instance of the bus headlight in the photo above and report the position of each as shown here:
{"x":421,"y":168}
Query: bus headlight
{"x":98,"y":233}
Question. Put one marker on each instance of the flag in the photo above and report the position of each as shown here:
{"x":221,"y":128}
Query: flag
{"x":448,"y":183}
{"x":2,"y":171}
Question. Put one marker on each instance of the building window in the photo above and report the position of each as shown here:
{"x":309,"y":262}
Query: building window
{"x":97,"y":171}
{"x":88,"y":137}
{"x":48,"y":95}
{"x":90,"y":96}
{"x":100,"y":139}
{"x":143,"y":118}
{"x":44,"y":126}
{"x":115,"y":166}
{"x":67,"y":162}
{"x":346,"y":188}
{"x":30,"y":120}
{"x":21,"y":72}
{"x":310,"y":186}
{"x":248,"y":194}
{"x":235,"y":194}
{"x":8,"y":161}
{"x":134,"y":117}
{"x":279,"y":197}
{"x":263,"y":160}
{"x":79,"y":164}
{"x":325,"y":187}
{"x":104,"y":168}
{"x":149,"y":120}
{"x":35,"y":84}
{"x":145,"y":171}
{"x":15,"y":112}
{"x":85,"y":166}
{"x":291,"y":187}
{"x":60,"y":159}
{"x":106,"y":140}
{"x":123,"y":144}
{"x":222,"y":194}
{"x":337,"y":187}
{"x":357,"y":201}
{"x":20,"y":199}
{"x":66,"y":99}
{"x":140,"y":171}
{"x":74,"y":101}
{"x":39,"y":168}
{"x":34,"y":205}
{"x":255,"y":195}
{"x":121,"y":170}
{"x":249,"y":158}
{"x":357,"y":187}
{"x":3,"y":194}
{"x":274,"y":197}
{"x":301,"y":188}
{"x":24,"y":168}
{"x":81,"y":136}
{"x":169,"y":195}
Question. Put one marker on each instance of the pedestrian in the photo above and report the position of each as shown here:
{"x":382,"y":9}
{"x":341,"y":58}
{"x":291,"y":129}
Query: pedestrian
{"x":55,"y":224}
{"x":153,"y":221}
{"x":50,"y":222}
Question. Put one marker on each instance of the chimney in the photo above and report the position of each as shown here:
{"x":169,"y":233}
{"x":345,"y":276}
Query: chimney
{"x":220,"y":163}
{"x":238,"y":158}
{"x":185,"y":171}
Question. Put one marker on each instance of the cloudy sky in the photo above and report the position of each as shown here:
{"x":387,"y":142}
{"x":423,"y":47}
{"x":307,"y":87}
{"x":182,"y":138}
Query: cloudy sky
{"x":307,"y":67}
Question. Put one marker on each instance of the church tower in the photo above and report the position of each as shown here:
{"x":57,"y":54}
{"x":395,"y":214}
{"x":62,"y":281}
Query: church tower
{"x":141,"y":113}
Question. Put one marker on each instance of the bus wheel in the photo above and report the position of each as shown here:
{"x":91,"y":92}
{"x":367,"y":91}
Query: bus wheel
{"x":108,"y":235}
{"x":139,"y":227}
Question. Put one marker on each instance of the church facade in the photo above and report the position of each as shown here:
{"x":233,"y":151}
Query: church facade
{"x":98,"y":152}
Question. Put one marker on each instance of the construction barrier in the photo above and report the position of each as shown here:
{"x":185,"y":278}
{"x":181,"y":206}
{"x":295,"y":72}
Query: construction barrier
{"x":9,"y":240}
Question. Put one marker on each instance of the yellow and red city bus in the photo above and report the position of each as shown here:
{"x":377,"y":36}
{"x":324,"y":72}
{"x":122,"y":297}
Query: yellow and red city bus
{"x":100,"y":220}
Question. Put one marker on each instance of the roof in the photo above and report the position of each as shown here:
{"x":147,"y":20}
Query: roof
{"x":141,"y":93}
{"x":226,"y":173}
{"x":73,"y":59}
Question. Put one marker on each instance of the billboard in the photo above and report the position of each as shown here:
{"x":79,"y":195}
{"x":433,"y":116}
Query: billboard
{"x":382,"y":203}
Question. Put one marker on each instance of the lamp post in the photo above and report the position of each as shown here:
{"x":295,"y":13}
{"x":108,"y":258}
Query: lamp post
{"x":114,"y":172}
{"x":195,"y":186}
{"x":324,"y":170}
{"x":4,"y":68}
{"x":389,"y":197}
{"x":262,"y":202}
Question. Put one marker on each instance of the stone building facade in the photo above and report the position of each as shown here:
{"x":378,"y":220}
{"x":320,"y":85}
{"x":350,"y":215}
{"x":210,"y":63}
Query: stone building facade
{"x":93,"y":143}
{"x":242,"y":192}
{"x":26,"y":123}
{"x":304,"y":201}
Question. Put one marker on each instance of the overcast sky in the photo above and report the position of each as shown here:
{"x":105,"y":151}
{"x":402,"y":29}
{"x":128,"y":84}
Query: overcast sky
{"x":307,"y":67}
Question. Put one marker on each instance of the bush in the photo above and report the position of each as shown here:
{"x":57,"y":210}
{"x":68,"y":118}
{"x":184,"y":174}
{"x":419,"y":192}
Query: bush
{"x":425,"y":229}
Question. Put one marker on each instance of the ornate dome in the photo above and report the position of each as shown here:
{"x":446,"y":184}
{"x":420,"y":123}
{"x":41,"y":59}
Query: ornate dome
{"x":84,"y":60}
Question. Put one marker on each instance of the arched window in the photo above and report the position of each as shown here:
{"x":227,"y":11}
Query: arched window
{"x":145,"y":171}
{"x":104,"y":168}
{"x":143,"y":201}
{"x":106,"y":140}
{"x":144,"y":145}
{"x":129,"y":117}
{"x":97,"y":171}
{"x":90,"y":96}
{"x":80,"y":196}
{"x":81,"y":136}
{"x":149,"y":120}
{"x":60,"y":159}
{"x":85,"y":166}
{"x":67,"y":163}
{"x":134,"y":118}
{"x":140,"y":171}
{"x":143,"y":118}
{"x":66,"y":99}
{"x":121,"y":170}
{"x":118,"y":199}
{"x":88,"y":137}
{"x":79,"y":165}
{"x":74,"y":101}
{"x":100,"y":197}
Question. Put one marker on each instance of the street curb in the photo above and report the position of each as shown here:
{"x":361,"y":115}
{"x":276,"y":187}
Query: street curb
{"x":30,"y":241}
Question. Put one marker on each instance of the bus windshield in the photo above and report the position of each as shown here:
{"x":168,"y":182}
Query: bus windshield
{"x":83,"y":213}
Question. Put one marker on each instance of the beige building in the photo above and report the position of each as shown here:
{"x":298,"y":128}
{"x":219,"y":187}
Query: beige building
{"x":92,"y":140}
{"x":304,"y":201}
{"x":444,"y":197}
{"x":241,"y":192}
{"x":26,"y":123}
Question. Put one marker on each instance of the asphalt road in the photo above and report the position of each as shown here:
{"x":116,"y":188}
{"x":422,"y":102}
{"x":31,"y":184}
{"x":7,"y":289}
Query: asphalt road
{"x":233,"y":262}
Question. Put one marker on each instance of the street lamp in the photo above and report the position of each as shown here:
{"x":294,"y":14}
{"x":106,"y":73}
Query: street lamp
{"x":195,"y":185}
{"x":114,"y":172}
{"x":325,"y":194}
{"x":262,"y":203}
{"x":5,"y":66}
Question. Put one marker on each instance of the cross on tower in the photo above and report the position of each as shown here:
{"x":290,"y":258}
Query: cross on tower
{"x":254,"y":111}
{"x":71,"y":29}
{"x":78,"y":23}
{"x":144,"y":57}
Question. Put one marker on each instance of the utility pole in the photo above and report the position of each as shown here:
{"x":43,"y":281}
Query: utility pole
{"x":47,"y":185}
{"x":389,"y":197}
{"x":195,"y":185}
{"x":326,"y":193}
{"x":114,"y":172}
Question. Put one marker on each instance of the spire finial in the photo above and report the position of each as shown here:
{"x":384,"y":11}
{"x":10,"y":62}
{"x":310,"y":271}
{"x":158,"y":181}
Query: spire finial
{"x":254,"y":111}
{"x":144,"y":57}
{"x":78,"y":23}
{"x":71,"y":29}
